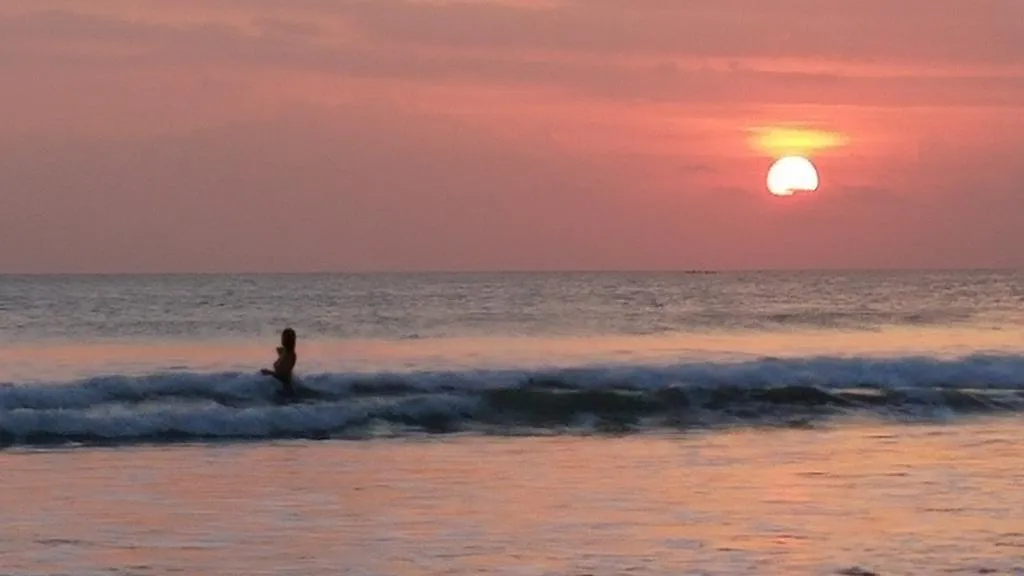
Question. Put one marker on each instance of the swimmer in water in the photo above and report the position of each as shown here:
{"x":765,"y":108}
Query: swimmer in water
{"x":286,"y":359}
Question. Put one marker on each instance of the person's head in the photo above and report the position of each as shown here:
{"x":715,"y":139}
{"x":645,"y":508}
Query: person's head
{"x":288,"y":339}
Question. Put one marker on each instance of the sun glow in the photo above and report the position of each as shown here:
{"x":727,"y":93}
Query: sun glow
{"x":794,"y":141}
{"x":792,"y":174}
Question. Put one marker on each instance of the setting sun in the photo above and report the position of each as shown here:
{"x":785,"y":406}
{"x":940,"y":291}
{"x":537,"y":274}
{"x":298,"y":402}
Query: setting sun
{"x":792,"y":174}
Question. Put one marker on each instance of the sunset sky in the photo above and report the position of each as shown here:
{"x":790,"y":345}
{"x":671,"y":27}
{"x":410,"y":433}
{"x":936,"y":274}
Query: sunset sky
{"x":337,"y":135}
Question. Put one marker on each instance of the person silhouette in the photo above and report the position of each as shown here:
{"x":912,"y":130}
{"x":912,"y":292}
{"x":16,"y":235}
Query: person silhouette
{"x":285,"y":363}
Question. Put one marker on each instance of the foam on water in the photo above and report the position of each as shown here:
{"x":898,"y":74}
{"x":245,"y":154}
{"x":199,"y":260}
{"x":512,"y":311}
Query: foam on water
{"x":184,"y":407}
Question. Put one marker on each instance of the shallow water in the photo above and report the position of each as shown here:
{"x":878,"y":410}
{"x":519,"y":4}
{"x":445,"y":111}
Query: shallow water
{"x":889,"y":499}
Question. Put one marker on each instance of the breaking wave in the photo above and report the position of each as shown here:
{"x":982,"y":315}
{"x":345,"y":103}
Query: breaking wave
{"x":192,"y":407}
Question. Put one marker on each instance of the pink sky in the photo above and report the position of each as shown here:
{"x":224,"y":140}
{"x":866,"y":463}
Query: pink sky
{"x":264,"y":135}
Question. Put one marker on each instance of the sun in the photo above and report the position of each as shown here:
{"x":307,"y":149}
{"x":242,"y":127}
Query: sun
{"x":792,"y":174}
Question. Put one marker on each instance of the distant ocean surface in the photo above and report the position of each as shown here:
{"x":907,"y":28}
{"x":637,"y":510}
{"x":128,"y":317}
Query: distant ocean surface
{"x":420,"y":390}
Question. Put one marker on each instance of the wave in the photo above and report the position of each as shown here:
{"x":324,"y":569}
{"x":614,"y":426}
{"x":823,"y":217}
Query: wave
{"x":189,"y":407}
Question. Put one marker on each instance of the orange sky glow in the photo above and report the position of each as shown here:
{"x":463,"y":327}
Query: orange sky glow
{"x":352,"y":135}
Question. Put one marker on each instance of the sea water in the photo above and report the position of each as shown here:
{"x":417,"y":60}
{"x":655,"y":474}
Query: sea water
{"x":584,"y":423}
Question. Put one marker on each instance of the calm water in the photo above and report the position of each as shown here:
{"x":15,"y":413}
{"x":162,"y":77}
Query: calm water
{"x":813,"y":423}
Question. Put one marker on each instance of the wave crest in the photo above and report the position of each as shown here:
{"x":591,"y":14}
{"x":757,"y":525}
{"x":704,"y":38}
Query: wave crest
{"x":186,"y":407}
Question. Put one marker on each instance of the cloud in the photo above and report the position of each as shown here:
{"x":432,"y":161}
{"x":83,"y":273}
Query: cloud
{"x":928,"y":30}
{"x":681,"y":51}
{"x":89,"y":38}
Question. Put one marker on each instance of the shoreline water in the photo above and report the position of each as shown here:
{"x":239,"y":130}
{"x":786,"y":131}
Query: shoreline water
{"x":872,"y":498}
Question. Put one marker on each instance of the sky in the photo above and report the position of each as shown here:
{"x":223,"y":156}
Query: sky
{"x":408,"y":135}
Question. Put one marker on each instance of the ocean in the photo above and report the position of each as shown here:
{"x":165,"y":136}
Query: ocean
{"x":516,"y":423}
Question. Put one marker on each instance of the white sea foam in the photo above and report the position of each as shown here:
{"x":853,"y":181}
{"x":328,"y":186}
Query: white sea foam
{"x":193,"y":406}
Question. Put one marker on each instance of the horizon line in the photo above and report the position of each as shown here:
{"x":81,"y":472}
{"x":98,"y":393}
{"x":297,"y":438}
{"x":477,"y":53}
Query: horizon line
{"x":498,"y":271}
